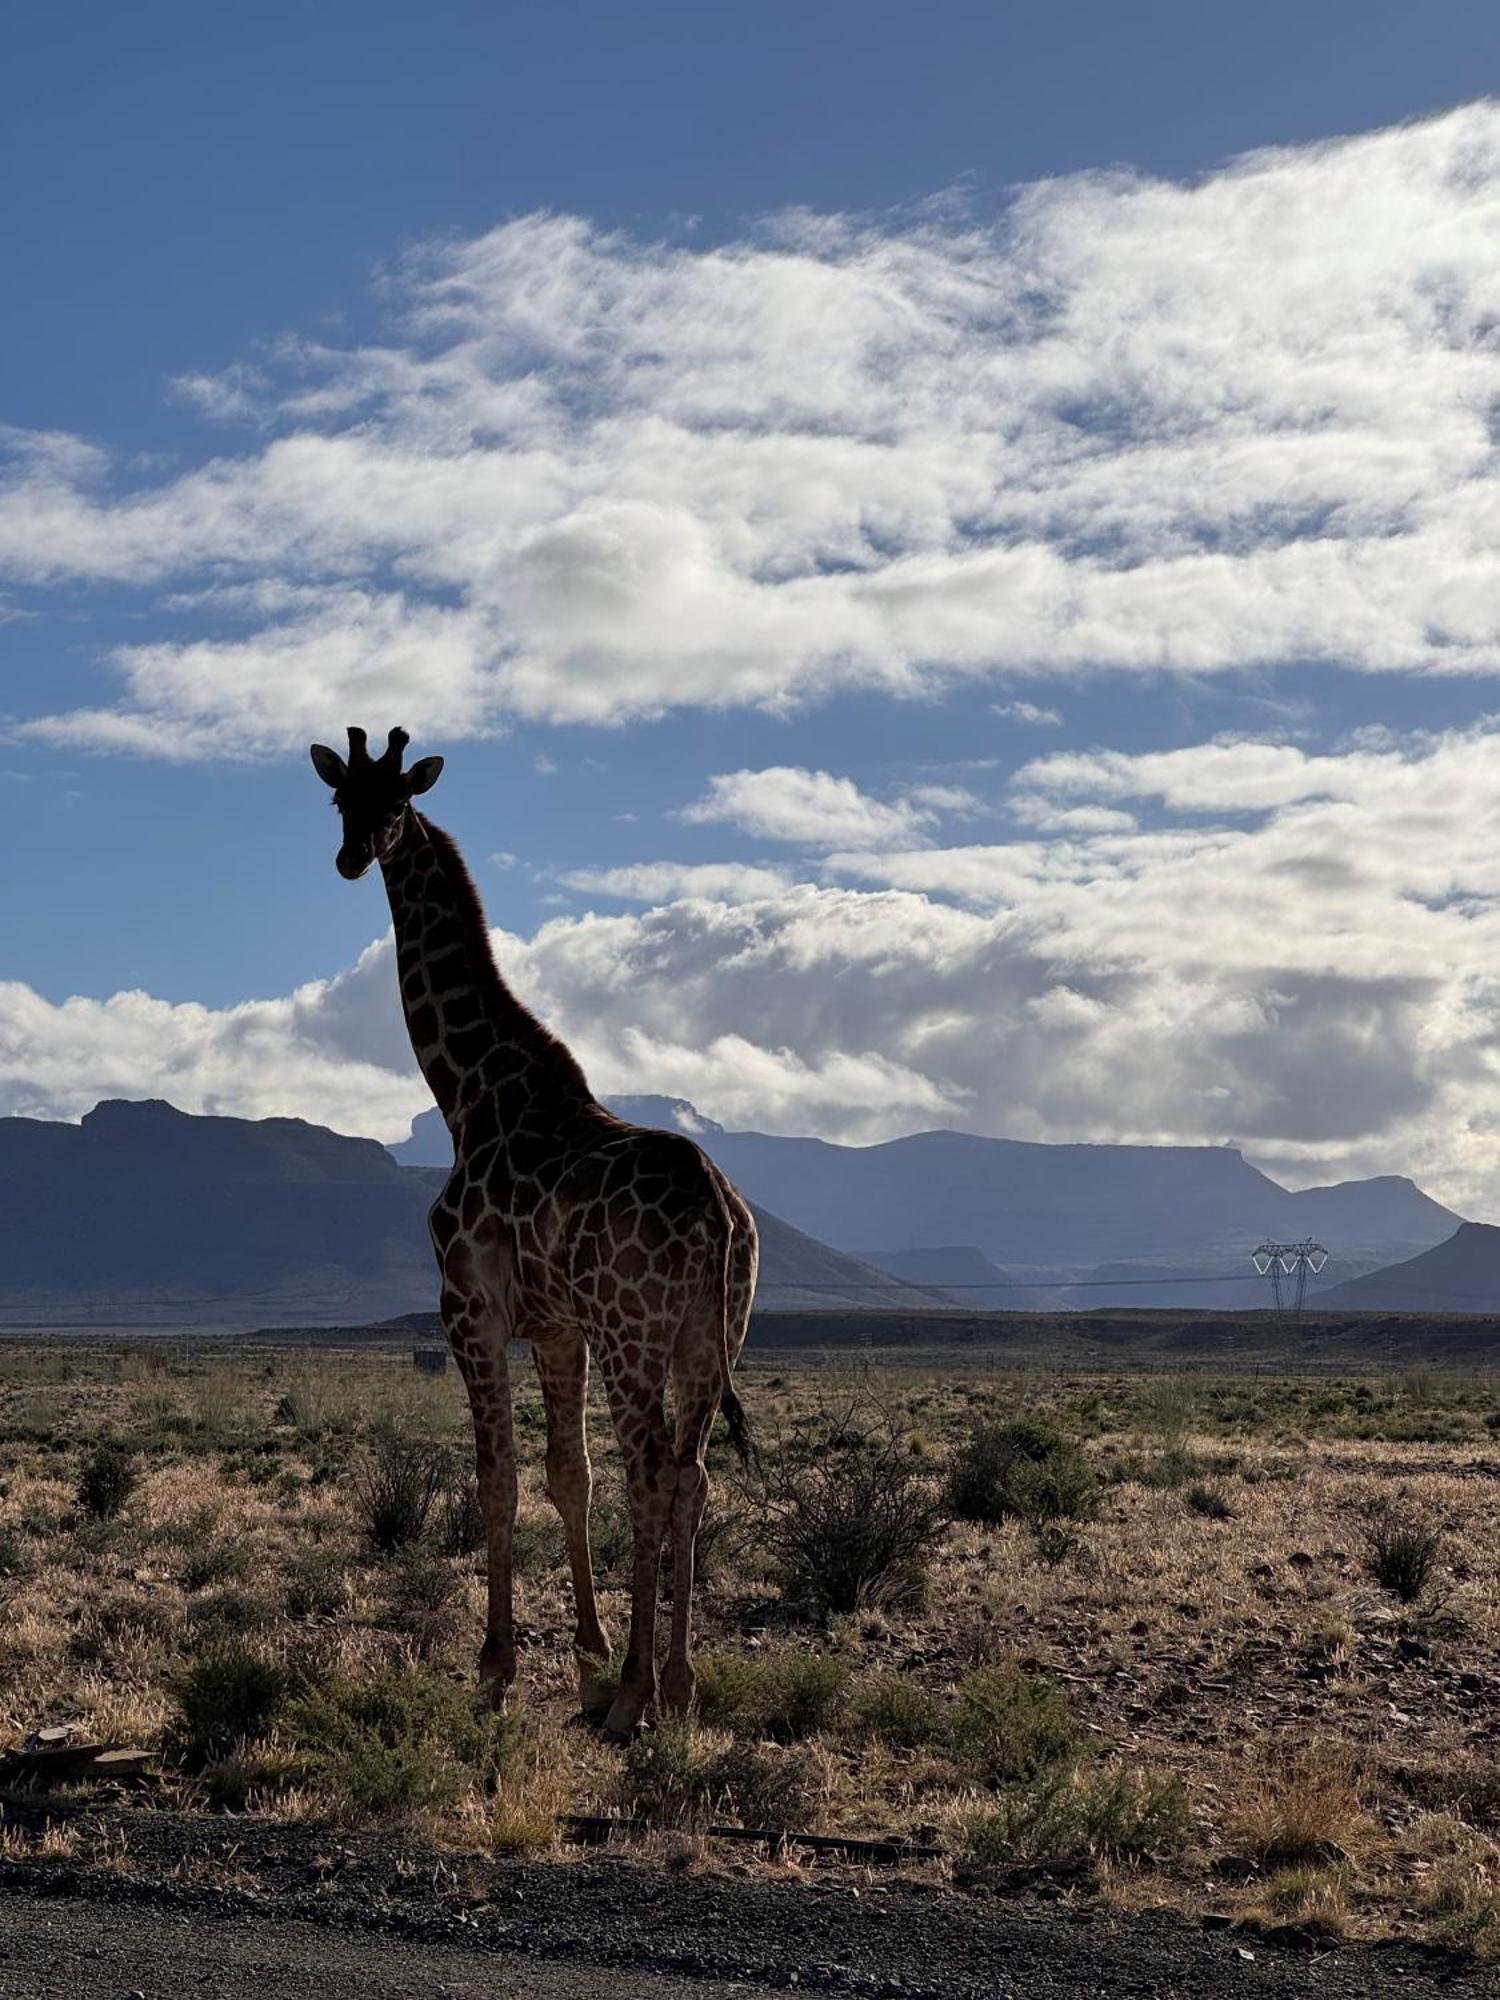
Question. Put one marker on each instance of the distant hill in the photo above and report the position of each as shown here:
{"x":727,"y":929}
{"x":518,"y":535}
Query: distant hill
{"x":1461,"y":1275}
{"x":145,"y":1215}
{"x":1066,"y":1209}
{"x":969,"y":1279}
{"x":1052,"y":1215}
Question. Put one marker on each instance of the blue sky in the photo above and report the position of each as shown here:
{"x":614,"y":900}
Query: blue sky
{"x":883,"y":404}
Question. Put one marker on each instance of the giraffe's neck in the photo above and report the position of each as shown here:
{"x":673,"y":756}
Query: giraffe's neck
{"x":469,"y":1032}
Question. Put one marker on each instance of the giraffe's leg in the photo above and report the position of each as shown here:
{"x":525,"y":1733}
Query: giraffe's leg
{"x":695,"y":1406}
{"x":562,"y":1365}
{"x":480,"y":1348}
{"x":651,"y":1479}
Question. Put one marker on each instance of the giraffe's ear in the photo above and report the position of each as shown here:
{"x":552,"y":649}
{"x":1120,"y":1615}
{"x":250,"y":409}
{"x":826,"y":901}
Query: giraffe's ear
{"x":328,"y":764}
{"x":423,"y":775}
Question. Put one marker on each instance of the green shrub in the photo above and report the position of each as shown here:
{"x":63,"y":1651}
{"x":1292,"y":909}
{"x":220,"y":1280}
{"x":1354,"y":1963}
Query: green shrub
{"x":316,"y":1584}
{"x":674,"y":1775}
{"x":1006,"y":1726}
{"x":106,"y":1480}
{"x":212,"y":1562}
{"x":1401,"y":1553}
{"x":423,"y":1594}
{"x":896,"y":1710}
{"x":233,"y":1695}
{"x":405,"y":1739}
{"x":460,"y":1528}
{"x":537,"y":1547}
{"x":395,"y":1490}
{"x":257,"y":1465}
{"x":1025,"y":1471}
{"x":850,"y":1522}
{"x":229,"y":1614}
{"x":1114,"y":1816}
{"x":784,"y":1694}
{"x":611,"y":1536}
{"x":1212,"y":1502}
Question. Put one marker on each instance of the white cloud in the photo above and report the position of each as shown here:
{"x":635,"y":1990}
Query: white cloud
{"x":1302,"y":955}
{"x":1029,"y":713}
{"x":332,"y":1051}
{"x":1130,"y":425}
{"x":674,"y":881}
{"x":817,"y":809}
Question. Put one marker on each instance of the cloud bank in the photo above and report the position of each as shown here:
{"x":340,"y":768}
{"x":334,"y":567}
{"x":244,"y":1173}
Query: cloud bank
{"x":1290,"y":951}
{"x":1127,"y":426}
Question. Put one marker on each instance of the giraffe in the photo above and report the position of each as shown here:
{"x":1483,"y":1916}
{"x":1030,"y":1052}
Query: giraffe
{"x":565,"y":1226}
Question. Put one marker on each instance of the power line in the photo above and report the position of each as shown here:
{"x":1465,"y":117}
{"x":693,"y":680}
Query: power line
{"x":1009,"y":1284}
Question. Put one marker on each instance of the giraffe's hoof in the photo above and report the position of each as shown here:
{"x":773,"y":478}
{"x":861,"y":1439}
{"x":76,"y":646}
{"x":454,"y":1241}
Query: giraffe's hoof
{"x":626,"y":1719}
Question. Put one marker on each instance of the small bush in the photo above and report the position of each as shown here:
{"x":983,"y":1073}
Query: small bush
{"x":1212,"y":1502}
{"x":107,"y":1479}
{"x":316,"y":1584}
{"x":611,"y":1536}
{"x":229,"y":1614}
{"x":1463,"y":1783}
{"x":1317,"y":1897}
{"x":1174,"y":1467}
{"x":460,"y":1527}
{"x":406,"y":1739}
{"x":785,"y":1694}
{"x":850,"y":1523}
{"x":1109,"y":1816}
{"x":214,"y":1562}
{"x":1401,"y":1553}
{"x":676,"y":1775}
{"x":895,"y":1710}
{"x":1025,"y":1471}
{"x":13,"y":1561}
{"x":1006,"y":1726}
{"x":1303,"y":1816}
{"x":423,"y":1597}
{"x":538,"y":1548}
{"x":232,"y":1696}
{"x":395,"y":1490}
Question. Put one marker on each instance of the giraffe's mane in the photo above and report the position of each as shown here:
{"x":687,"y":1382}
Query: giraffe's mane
{"x":510,"y":1017}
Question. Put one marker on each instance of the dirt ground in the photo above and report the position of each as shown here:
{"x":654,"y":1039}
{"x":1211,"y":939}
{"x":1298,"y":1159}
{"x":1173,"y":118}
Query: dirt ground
{"x":1197,"y":1694}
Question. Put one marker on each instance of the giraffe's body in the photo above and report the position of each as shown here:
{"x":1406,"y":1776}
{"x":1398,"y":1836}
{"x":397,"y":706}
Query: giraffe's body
{"x":562,"y":1225}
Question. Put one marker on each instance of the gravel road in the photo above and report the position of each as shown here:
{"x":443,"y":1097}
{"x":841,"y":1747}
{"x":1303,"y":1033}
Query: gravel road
{"x":237,"y":1907}
{"x":66,"y":1950}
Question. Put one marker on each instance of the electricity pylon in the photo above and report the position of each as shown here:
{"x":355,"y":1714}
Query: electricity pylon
{"x":1289,"y":1260}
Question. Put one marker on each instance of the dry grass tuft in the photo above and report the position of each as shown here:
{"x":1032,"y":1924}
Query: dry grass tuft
{"x":1305,"y":1815}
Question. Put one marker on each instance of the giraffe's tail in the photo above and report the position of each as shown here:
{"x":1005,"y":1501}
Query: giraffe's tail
{"x":730,"y":1406}
{"x":733,"y":1411}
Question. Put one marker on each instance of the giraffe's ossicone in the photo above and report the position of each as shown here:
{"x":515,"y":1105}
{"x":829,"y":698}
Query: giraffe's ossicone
{"x":563,"y":1226}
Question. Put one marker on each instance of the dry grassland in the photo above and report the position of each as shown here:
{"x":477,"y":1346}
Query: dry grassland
{"x":1181,"y":1669}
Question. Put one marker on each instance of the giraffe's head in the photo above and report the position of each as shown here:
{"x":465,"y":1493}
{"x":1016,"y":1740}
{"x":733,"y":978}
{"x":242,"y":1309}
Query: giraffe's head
{"x":372,"y":795}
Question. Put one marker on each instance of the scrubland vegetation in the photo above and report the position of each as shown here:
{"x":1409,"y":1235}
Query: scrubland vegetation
{"x":1226,"y":1643}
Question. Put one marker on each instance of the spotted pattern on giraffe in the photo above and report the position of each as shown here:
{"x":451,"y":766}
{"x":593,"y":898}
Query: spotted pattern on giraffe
{"x":594,"y":1240}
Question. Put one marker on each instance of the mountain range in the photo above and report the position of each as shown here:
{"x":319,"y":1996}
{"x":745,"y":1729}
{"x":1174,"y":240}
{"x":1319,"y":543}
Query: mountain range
{"x":145,"y":1215}
{"x":1042,"y":1227}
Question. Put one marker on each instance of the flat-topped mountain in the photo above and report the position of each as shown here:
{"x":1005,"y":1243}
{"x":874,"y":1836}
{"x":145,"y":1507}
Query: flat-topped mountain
{"x":1064,"y":1208}
{"x":1012,"y":1223}
{"x":146,"y":1215}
